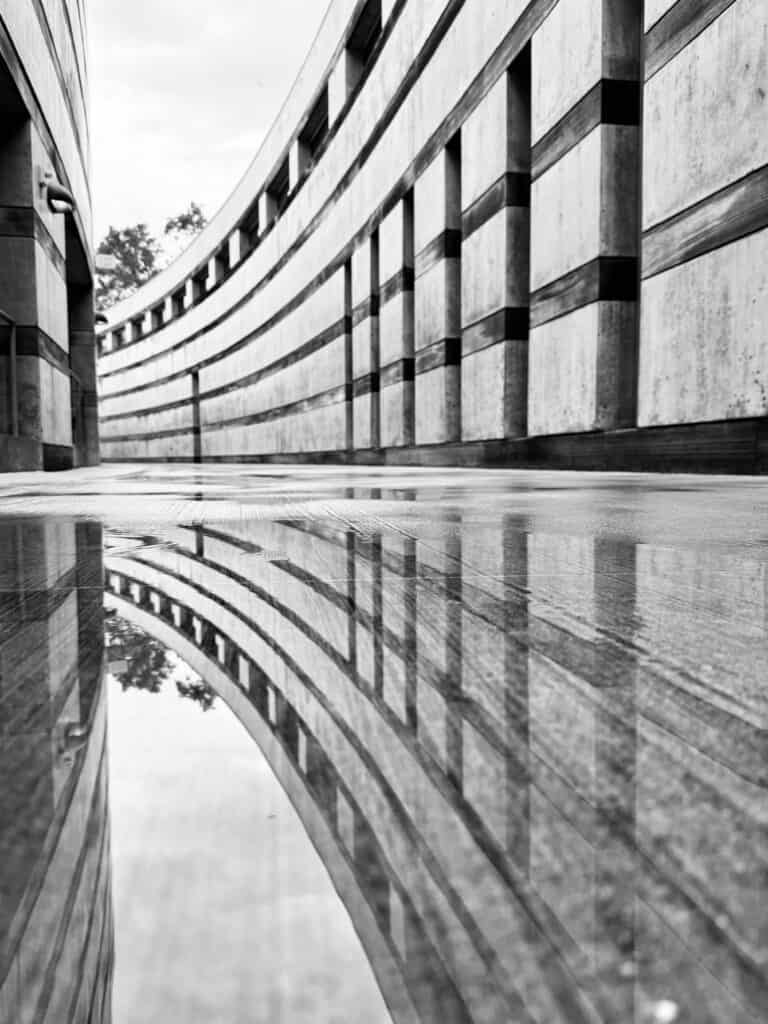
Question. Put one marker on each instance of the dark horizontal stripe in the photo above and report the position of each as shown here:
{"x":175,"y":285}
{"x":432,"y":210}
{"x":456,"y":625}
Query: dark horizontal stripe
{"x":678,"y":27}
{"x":309,"y":348}
{"x":365,"y":310}
{"x":508,"y":49}
{"x":18,"y":73}
{"x":148,"y":411}
{"x":402,"y":281}
{"x":447,"y":246}
{"x":511,"y":189}
{"x":402,"y":370}
{"x":148,"y":435}
{"x":445,"y":352}
{"x":26,"y":222}
{"x":738,"y":210}
{"x":369,"y":384}
{"x":611,"y":101}
{"x":32,"y":341}
{"x":605,"y":279}
{"x":505,"y":324}
{"x":333,"y":396}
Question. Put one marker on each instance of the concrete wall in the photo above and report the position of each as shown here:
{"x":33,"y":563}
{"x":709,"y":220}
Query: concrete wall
{"x":48,"y":390}
{"x":531,"y":232}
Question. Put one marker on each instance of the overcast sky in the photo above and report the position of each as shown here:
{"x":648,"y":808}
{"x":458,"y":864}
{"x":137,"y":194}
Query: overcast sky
{"x":182,"y":93}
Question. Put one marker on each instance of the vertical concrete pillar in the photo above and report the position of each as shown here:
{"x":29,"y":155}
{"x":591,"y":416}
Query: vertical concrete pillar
{"x":437,"y":355}
{"x":349,"y":412}
{"x":496,"y":183}
{"x":584,"y":217}
{"x":396,"y":326}
{"x":365,"y":342}
{"x":33,"y":294}
{"x":82,"y":352}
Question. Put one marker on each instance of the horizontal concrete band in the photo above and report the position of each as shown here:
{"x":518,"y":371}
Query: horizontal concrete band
{"x":678,"y":27}
{"x":26,"y":222}
{"x":398,"y":372}
{"x":605,"y":279}
{"x":53,"y":53}
{"x":402,"y":281}
{"x":510,"y":190}
{"x":365,"y":310}
{"x":509,"y":48}
{"x":444,"y":352}
{"x":738,"y":210}
{"x":508,"y":324}
{"x":13,"y":64}
{"x":729,"y":446}
{"x":32,"y":341}
{"x":611,"y":101}
{"x":446,"y":246}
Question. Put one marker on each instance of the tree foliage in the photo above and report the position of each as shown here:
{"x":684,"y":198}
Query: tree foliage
{"x":139,"y":255}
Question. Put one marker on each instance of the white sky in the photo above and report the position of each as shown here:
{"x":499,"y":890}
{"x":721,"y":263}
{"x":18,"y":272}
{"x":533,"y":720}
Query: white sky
{"x":182,"y":93}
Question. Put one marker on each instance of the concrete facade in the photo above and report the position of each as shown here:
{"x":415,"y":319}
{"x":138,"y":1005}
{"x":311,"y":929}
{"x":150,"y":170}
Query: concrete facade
{"x":48,"y":414}
{"x":479,"y":231}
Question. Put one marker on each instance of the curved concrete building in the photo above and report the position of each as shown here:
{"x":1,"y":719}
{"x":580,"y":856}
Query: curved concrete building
{"x":478,"y":231}
{"x":47,"y":347}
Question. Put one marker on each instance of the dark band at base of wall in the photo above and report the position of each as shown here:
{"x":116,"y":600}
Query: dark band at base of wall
{"x":726,"y":446}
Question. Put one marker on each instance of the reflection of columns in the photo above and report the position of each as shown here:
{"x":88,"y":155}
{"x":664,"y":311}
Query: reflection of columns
{"x":615,"y":775}
{"x":351,"y":603}
{"x":90,"y":611}
{"x":454,"y":740}
{"x":516,"y":695}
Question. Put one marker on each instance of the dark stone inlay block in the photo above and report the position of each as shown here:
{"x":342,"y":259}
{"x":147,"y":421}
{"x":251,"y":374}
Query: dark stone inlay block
{"x":401,"y":371}
{"x":32,"y":341}
{"x":510,"y":323}
{"x":607,"y":278}
{"x":611,"y":101}
{"x":511,"y":189}
{"x":402,"y":281}
{"x":445,"y":352}
{"x":734,"y":212}
{"x":58,"y":457}
{"x":446,"y":246}
{"x":365,"y":310}
{"x":366,"y":385}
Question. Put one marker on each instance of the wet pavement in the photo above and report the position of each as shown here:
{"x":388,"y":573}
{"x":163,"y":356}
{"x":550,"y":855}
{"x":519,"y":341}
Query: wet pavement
{"x":329,"y":745}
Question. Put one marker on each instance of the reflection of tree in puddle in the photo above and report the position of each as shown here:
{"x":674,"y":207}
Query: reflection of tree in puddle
{"x":139,"y":662}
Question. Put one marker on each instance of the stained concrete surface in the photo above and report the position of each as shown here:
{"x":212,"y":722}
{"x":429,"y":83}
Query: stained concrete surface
{"x":480,"y":746}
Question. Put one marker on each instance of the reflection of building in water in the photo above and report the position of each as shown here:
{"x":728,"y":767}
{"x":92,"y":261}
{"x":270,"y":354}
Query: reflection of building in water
{"x":56,"y":942}
{"x":532,"y":802}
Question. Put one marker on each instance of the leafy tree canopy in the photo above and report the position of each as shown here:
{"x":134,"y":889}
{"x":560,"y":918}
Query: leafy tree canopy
{"x":139,"y":255}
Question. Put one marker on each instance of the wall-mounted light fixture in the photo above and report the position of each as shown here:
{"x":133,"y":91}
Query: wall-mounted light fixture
{"x":58,"y":198}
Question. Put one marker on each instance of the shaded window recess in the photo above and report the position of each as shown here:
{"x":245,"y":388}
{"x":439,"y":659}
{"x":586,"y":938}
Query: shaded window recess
{"x":249,"y":227}
{"x":221,"y":261}
{"x":365,"y":34}
{"x":199,"y":285}
{"x":177,"y":302}
{"x":315,"y":131}
{"x":157,"y":318}
{"x":118,"y":338}
{"x":137,"y":327}
{"x":280,"y":186}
